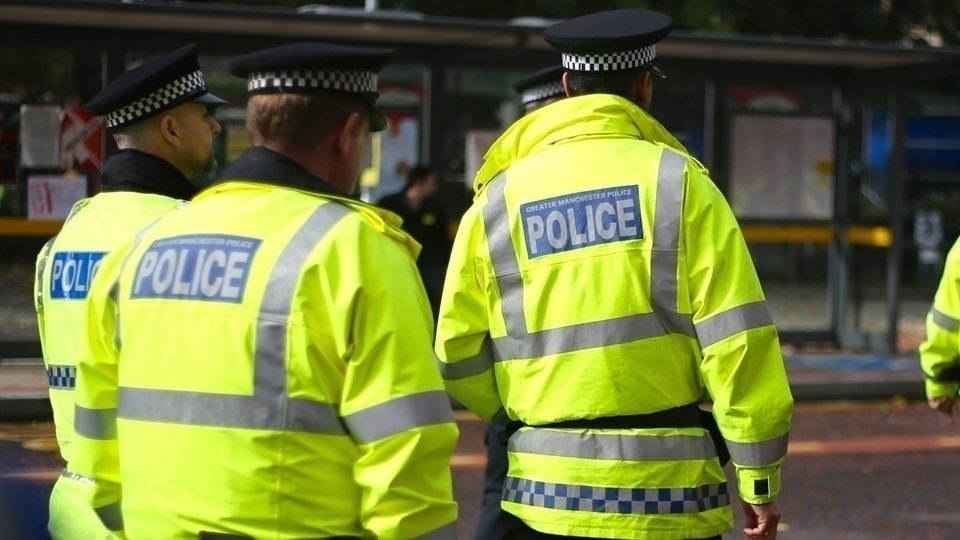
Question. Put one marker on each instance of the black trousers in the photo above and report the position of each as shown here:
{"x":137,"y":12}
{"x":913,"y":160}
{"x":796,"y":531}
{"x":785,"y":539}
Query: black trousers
{"x":493,"y":523}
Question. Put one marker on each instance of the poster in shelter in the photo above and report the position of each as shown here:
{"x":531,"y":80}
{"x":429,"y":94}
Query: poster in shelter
{"x":782,"y":167}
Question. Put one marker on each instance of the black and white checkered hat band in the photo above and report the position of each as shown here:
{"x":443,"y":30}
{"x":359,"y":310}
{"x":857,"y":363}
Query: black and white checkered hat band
{"x":192,"y":83}
{"x":543,"y":91}
{"x":610,"y":61}
{"x":358,"y":82}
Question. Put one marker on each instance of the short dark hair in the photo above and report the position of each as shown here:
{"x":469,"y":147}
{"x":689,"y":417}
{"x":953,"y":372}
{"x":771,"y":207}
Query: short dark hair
{"x":418,"y":174}
{"x":618,"y":83}
{"x":295,"y":121}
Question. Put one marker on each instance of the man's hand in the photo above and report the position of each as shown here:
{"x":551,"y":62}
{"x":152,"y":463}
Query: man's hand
{"x":946,"y":405}
{"x":762,"y":520}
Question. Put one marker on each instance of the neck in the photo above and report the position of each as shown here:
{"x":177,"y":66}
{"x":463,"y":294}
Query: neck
{"x":317,"y":162}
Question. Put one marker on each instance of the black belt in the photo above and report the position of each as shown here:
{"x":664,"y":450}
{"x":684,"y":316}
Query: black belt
{"x":684,"y":416}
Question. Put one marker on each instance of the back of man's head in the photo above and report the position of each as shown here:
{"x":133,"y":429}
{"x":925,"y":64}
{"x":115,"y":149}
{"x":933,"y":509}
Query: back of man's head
{"x":610,"y":52}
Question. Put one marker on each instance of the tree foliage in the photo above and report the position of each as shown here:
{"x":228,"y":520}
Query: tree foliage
{"x":922,"y":21}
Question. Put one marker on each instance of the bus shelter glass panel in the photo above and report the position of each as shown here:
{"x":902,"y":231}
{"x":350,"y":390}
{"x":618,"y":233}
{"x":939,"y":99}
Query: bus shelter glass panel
{"x":781,"y":170}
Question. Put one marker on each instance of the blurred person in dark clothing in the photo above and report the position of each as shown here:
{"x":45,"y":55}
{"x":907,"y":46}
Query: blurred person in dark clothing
{"x":425,"y":220}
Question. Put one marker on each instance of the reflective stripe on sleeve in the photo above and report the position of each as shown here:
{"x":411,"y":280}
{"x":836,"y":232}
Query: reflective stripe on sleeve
{"x":519,"y":343}
{"x":269,"y":407}
{"x":61,"y":377}
{"x":399,"y":415}
{"x":944,"y":321}
{"x":447,"y":532}
{"x":225,"y":410}
{"x":612,"y":446}
{"x":761,"y":454}
{"x":98,"y":424}
{"x":77,"y":477}
{"x":469,"y":367}
{"x":111,"y":516}
{"x":615,"y":500}
{"x":733,"y":321}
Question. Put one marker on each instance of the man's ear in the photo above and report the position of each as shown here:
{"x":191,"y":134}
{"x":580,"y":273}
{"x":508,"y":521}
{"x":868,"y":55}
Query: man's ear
{"x":169,"y":129}
{"x":641,"y":92}
{"x":566,"y":83}
{"x":346,"y":134}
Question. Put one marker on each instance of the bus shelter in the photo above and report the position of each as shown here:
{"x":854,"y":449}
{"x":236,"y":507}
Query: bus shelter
{"x":809,"y":139}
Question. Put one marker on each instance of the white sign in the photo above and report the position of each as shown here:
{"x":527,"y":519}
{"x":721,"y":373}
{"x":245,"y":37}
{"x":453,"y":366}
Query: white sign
{"x":52,"y":197}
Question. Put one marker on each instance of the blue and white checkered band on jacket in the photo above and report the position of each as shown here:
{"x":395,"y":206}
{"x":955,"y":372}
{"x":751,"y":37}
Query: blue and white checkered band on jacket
{"x":617,"y":61}
{"x":357,"y":82}
{"x":542,"y":91}
{"x":192,"y":83}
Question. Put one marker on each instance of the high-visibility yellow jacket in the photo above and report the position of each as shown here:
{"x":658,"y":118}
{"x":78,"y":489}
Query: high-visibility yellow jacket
{"x":268,"y":372}
{"x":141,"y":188}
{"x":600,"y":273}
{"x":941,"y":350}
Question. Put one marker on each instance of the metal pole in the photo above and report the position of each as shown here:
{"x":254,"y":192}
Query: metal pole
{"x":371,"y":5}
{"x":895,"y":252}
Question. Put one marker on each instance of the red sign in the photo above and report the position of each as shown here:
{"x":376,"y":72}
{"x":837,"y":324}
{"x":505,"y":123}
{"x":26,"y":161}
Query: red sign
{"x":82,"y":140}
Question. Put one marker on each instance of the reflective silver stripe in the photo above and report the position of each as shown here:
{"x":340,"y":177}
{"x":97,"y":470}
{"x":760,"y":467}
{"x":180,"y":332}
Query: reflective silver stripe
{"x":762,"y":454}
{"x":77,"y":477}
{"x":579,"y":337}
{"x":115,"y":288}
{"x":616,"y":500}
{"x":944,"y":321}
{"x":733,"y":321}
{"x":617,"y":447}
{"x":447,"y":532}
{"x":115,"y":297}
{"x":664,"y":265}
{"x":269,"y":407}
{"x":99,"y":424}
{"x":399,"y":415}
{"x":41,"y":266}
{"x":519,"y":343}
{"x":225,"y":410}
{"x":503,"y":256}
{"x":111,"y":516}
{"x":61,"y":377}
{"x":469,"y":367}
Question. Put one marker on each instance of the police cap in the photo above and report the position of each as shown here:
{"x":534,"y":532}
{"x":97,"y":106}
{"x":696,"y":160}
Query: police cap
{"x":308,"y":68}
{"x":616,"y":40}
{"x":541,"y":85}
{"x":156,"y":85}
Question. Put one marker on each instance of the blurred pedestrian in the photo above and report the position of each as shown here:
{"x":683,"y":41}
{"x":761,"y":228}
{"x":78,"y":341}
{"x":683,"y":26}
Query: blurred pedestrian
{"x":599,"y":290}
{"x":536,"y":90}
{"x":263,"y":356}
{"x":424,"y":219}
{"x":159,"y":114}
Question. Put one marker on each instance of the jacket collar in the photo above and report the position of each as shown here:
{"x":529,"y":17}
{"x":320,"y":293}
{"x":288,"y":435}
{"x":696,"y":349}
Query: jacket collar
{"x":260,"y":167}
{"x":263,"y":165}
{"x":140,"y":172}
{"x":583,"y":116}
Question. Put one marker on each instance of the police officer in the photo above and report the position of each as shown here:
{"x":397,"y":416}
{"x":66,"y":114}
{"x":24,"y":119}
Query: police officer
{"x":938,"y":353}
{"x":540,"y":88}
{"x":599,"y":289}
{"x":159,"y":116}
{"x":536,"y":90}
{"x":275,"y":377}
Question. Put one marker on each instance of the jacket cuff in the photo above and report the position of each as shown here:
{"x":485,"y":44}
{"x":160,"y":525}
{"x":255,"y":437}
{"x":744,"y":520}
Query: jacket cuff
{"x":941,"y":389}
{"x":758,"y":485}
